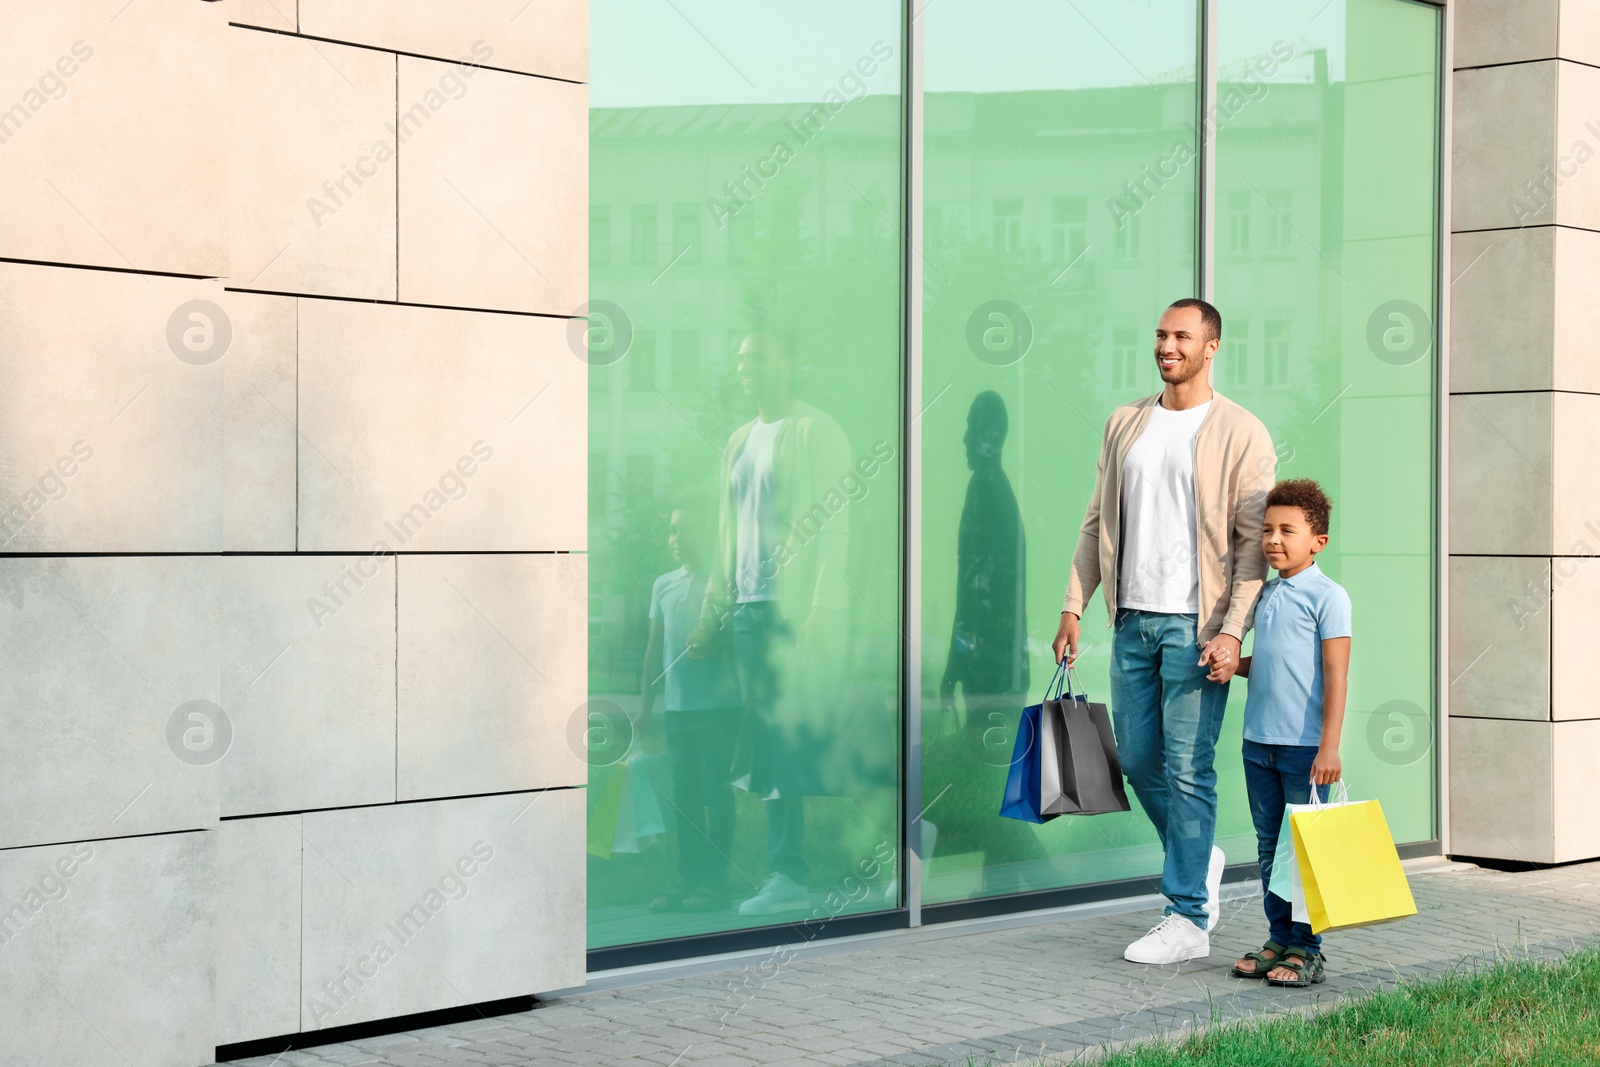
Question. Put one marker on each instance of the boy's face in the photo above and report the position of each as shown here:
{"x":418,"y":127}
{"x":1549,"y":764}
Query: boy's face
{"x":1288,"y":541}
{"x":681,"y":539}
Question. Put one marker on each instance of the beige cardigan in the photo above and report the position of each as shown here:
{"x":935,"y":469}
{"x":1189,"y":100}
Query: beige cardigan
{"x":1234,"y":467}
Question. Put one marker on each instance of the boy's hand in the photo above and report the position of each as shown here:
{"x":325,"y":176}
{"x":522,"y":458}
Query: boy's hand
{"x":1326,"y":769}
{"x":1221,"y":653}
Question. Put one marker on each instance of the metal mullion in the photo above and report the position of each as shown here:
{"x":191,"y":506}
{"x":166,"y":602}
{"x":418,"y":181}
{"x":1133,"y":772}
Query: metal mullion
{"x":911,"y":452}
{"x":1205,"y":213}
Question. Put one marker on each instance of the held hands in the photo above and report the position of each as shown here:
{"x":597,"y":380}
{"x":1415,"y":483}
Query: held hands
{"x":1326,"y":769}
{"x":1066,"y":642}
{"x":1221,"y":654}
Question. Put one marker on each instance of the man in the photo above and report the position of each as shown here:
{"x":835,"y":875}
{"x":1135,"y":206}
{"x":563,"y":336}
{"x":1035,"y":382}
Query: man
{"x":1172,"y":536}
{"x":777,"y":584}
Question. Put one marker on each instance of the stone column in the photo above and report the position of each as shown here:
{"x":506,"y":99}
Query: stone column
{"x":1524,"y":508}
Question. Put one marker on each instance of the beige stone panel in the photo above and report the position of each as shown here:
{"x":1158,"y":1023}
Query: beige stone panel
{"x":550,"y":37}
{"x":258,"y":434}
{"x":492,"y":671}
{"x":312,"y":192}
{"x":1502,"y":480}
{"x":1501,"y":799}
{"x":258,"y":928}
{"x":1577,"y":279}
{"x":1503,"y":314}
{"x":1507,"y":31}
{"x":271,"y":14}
{"x":1580,"y":32}
{"x":1577,"y":146}
{"x":309,"y":682}
{"x":99,"y":88}
{"x":1505,"y":137}
{"x":1499,"y":638}
{"x":1577,"y":753}
{"x":109,"y":442}
{"x":437,"y":904}
{"x":1576,"y":429}
{"x":100,"y":655}
{"x":115,"y":965}
{"x":435,"y":430}
{"x":1575,"y":631}
{"x":493,"y":190}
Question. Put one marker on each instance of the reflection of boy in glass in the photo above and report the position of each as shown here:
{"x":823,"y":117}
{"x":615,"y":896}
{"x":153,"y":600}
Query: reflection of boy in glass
{"x":702,"y":708}
{"x":778,"y":585}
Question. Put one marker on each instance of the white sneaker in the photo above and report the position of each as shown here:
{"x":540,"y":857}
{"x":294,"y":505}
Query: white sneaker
{"x":780,"y":893}
{"x":1173,"y":940}
{"x":1213,"y":904}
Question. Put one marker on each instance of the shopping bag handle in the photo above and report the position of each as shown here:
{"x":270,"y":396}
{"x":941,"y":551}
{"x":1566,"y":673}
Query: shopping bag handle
{"x":1334,"y":798}
{"x":1053,"y":690}
{"x":1078,"y":693}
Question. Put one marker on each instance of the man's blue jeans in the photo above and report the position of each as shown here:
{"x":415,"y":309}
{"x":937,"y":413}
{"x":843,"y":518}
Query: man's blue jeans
{"x":1167,"y":719}
{"x":1275,"y":775}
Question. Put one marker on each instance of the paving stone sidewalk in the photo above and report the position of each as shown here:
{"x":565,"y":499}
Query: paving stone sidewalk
{"x":1050,"y":990}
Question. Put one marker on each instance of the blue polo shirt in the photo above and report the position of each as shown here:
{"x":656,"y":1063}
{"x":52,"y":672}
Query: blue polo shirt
{"x":1293,"y":617}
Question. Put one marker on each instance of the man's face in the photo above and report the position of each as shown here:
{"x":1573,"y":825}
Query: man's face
{"x":761,"y":367}
{"x":1183,"y":351}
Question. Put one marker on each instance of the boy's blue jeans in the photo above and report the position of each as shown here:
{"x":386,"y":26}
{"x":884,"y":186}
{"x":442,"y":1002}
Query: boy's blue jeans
{"x":1275,"y":775}
{"x":1167,"y":719}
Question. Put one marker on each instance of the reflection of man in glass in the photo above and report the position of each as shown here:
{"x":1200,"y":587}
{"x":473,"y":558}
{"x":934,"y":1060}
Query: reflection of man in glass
{"x":988,"y":655}
{"x":988,"y":638}
{"x":702,"y":709}
{"x":778,"y":584}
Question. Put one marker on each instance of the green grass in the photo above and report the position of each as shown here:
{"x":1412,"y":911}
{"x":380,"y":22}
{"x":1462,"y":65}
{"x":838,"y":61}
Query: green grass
{"x":1521,"y":1013}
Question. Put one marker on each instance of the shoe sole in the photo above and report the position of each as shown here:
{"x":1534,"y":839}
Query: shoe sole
{"x":777,"y":909}
{"x":1162,"y":963}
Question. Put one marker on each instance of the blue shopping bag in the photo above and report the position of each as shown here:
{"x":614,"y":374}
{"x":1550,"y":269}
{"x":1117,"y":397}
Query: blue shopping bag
{"x":1021,"y":798}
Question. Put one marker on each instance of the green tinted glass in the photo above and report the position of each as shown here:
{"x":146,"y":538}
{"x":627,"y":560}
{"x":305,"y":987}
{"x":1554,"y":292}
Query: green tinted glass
{"x":1327,"y":233}
{"x":744,"y":421}
{"x":1059,"y":220}
{"x":1059,"y":223}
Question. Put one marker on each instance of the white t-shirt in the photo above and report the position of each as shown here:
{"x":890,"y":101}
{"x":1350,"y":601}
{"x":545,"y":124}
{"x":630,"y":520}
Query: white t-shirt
{"x":756,"y":511}
{"x":1158,"y":570}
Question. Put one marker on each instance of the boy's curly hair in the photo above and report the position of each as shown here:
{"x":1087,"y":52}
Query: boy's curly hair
{"x":1307,"y":495}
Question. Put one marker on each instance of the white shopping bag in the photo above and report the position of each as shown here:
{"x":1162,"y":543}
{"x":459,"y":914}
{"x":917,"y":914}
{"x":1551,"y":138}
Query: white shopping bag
{"x":1285,"y":881}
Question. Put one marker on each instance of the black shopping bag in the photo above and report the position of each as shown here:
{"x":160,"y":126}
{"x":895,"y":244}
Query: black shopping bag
{"x":1079,"y":773}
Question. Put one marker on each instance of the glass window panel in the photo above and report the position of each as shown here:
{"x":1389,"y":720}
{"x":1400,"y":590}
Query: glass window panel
{"x":1332,"y":140}
{"x":1075,"y":154}
{"x":753,"y":434}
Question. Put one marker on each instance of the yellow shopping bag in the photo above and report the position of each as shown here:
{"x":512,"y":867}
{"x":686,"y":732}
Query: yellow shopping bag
{"x":1349,"y":868}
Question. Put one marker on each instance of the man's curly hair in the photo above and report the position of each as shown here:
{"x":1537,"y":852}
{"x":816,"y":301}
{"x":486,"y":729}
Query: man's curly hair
{"x":1307,"y":495}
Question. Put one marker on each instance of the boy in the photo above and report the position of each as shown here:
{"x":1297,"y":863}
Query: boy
{"x":702,"y":716}
{"x":1293,"y":715}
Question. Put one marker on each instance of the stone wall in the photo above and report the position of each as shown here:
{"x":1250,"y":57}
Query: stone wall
{"x":292,"y":598}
